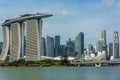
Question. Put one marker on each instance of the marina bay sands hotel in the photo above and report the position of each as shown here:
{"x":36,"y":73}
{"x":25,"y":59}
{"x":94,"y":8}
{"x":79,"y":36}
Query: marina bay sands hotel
{"x":14,"y":30}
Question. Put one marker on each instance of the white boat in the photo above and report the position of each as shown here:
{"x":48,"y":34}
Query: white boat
{"x":98,"y":65}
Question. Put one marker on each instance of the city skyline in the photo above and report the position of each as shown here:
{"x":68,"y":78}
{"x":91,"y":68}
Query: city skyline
{"x":85,"y":16}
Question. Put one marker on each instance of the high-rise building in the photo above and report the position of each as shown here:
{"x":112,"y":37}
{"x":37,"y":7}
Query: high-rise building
{"x":14,"y":30}
{"x":99,"y":45}
{"x":103,"y":36}
{"x":43,"y":47}
{"x":57,"y":45}
{"x":90,"y":50}
{"x":15,"y":41}
{"x":70,"y":47}
{"x":1,"y":46}
{"x":50,"y":46}
{"x":102,"y":44}
{"x":63,"y":50}
{"x":79,"y":44}
{"x":110,"y":50}
{"x":116,"y":45}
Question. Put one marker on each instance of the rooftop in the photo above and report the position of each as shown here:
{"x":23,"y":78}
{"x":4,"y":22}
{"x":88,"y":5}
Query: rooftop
{"x":26,"y":17}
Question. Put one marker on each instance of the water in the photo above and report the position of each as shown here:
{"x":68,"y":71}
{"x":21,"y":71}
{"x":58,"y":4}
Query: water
{"x":61,"y":73}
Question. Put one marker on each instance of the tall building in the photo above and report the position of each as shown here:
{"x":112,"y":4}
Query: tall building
{"x":57,"y":45}
{"x":63,"y":49}
{"x":43,"y":47}
{"x":1,"y":46}
{"x":110,"y":50}
{"x":50,"y":46}
{"x":90,"y":50}
{"x":99,"y":45}
{"x":70,"y":47}
{"x":79,"y":44}
{"x":15,"y":41}
{"x":102,"y":44}
{"x":103,"y":35}
{"x":14,"y":30}
{"x":116,"y":45}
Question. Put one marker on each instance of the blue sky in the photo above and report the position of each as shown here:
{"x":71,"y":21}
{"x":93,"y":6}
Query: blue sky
{"x":70,"y":17}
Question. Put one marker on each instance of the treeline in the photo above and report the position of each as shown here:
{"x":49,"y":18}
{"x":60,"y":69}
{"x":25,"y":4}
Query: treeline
{"x":41,"y":63}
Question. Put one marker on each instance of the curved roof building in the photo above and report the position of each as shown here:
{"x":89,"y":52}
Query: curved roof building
{"x":22,"y":36}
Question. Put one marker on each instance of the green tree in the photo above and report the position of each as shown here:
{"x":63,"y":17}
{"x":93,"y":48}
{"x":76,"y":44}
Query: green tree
{"x":64,"y":60}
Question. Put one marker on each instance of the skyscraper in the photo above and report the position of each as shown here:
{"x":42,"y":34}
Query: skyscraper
{"x":63,"y":50}
{"x":116,"y":45}
{"x":110,"y":50}
{"x":50,"y":46}
{"x":15,"y":42}
{"x":90,"y":50}
{"x":70,"y":47}
{"x":1,"y":46}
{"x":43,"y":47}
{"x":79,"y":44}
{"x":14,"y":30}
{"x":102,"y":44}
{"x":103,"y":35}
{"x":57,"y":45}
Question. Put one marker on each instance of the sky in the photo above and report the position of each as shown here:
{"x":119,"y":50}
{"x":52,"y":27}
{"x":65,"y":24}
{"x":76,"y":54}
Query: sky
{"x":69,"y":17}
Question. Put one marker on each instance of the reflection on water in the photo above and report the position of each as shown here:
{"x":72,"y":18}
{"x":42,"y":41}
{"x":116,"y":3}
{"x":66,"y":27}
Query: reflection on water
{"x":61,"y":73}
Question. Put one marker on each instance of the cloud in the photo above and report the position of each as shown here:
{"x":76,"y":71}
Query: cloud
{"x":108,"y":2}
{"x":64,"y":12}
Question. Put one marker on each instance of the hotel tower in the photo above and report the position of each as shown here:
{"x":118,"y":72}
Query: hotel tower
{"x":15,"y":31}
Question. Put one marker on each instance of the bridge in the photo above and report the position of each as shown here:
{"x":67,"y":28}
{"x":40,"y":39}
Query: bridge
{"x":94,"y":63}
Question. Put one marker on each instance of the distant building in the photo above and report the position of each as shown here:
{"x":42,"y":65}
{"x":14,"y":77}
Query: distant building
{"x":1,"y":46}
{"x":110,"y":50}
{"x":70,"y":47}
{"x":103,"y":35}
{"x":99,"y":45}
{"x":116,"y":45}
{"x":63,"y":49}
{"x":57,"y":45}
{"x":43,"y":47}
{"x":50,"y":46}
{"x":90,"y":50}
{"x":102,"y":45}
{"x":79,"y":44}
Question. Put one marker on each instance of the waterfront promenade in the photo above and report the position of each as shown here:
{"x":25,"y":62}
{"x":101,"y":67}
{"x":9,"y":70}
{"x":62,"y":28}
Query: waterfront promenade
{"x":93,"y":63}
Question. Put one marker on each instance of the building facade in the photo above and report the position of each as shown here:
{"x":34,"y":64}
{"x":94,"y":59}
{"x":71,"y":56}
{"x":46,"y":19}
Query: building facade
{"x":110,"y":50}
{"x":90,"y":50}
{"x":15,"y":41}
{"x":43,"y":47}
{"x":50,"y":46}
{"x":63,"y":50}
{"x":79,"y":44}
{"x":57,"y":45}
{"x":99,"y":45}
{"x":33,"y":36}
{"x":1,"y":46}
{"x":102,"y":44}
{"x":70,"y":47}
{"x":116,"y":45}
{"x":14,"y":30}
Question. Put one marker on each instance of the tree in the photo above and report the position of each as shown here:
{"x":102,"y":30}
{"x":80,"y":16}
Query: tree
{"x":64,"y":59}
